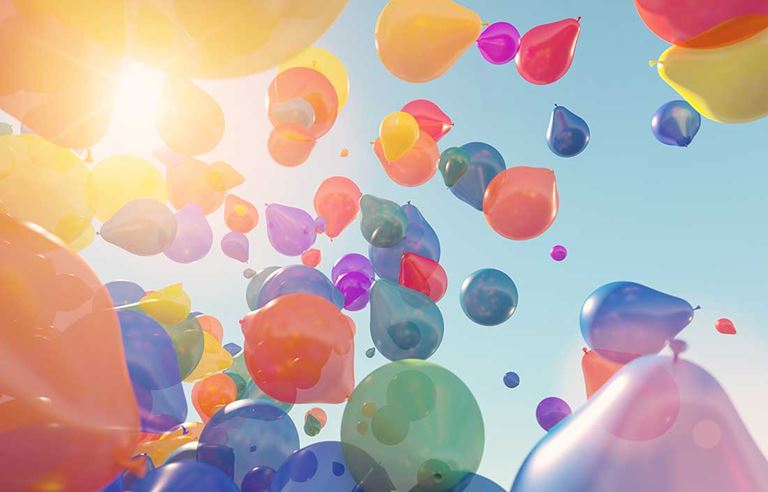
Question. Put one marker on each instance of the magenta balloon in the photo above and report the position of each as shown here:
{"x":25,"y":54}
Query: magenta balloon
{"x":499,"y":43}
{"x":356,"y":288}
{"x":235,"y":245}
{"x":194,"y":236}
{"x":290,"y":230}
{"x":351,"y":262}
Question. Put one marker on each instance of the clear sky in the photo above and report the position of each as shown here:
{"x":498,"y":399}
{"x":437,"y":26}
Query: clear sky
{"x":690,"y":222}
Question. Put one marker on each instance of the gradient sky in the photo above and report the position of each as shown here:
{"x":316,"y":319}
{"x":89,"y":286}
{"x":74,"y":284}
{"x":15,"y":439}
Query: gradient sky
{"x":690,"y":222}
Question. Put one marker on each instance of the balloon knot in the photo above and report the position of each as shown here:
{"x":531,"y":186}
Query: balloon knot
{"x":697,"y":308}
{"x":653,"y":63}
{"x":585,"y":349}
{"x":578,"y":19}
{"x":485,"y":24}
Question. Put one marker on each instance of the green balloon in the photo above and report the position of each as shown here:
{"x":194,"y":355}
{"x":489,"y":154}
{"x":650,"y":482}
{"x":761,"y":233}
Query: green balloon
{"x":419,"y":421}
{"x":383,"y":221}
{"x":187,"y":338}
{"x":454,"y":162}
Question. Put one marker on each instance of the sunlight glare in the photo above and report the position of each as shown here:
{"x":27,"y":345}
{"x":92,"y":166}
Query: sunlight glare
{"x":138,"y":94}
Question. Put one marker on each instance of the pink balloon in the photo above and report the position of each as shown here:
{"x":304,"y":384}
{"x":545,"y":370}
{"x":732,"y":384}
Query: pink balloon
{"x":432,"y":120}
{"x":235,"y":245}
{"x":290,"y":230}
{"x":546,"y":51}
{"x":499,"y":43}
{"x":194,"y":236}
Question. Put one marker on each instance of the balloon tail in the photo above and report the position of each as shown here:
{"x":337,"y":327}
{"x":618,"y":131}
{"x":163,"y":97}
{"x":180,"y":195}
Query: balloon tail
{"x":697,"y":308}
{"x":485,"y":24}
{"x":578,"y":19}
{"x":585,"y":349}
{"x":653,"y":63}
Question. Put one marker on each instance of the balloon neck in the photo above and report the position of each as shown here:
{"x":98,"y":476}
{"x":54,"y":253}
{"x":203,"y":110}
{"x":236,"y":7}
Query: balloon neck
{"x":653,"y":63}
{"x":578,"y":19}
{"x":585,"y":349}
{"x":697,"y":308}
{"x":556,"y":106}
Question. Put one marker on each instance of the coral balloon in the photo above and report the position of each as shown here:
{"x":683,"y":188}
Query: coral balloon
{"x":311,"y":86}
{"x":337,"y":200}
{"x":675,"y":123}
{"x":416,"y":166}
{"x":499,"y":43}
{"x":567,"y":134}
{"x":725,"y":326}
{"x":398,"y":133}
{"x":290,"y":145}
{"x":235,"y":245}
{"x":290,"y":230}
{"x":327,"y":64}
{"x":423,"y":275}
{"x":223,"y":177}
{"x":194,"y":236}
{"x":485,"y":162}
{"x":546,"y":51}
{"x":211,"y":325}
{"x":383,"y":223}
{"x":143,"y":227}
{"x":213,"y":393}
{"x":191,"y":181}
{"x":240,"y":215}
{"x":311,"y":257}
{"x":597,"y":371}
{"x":432,"y":120}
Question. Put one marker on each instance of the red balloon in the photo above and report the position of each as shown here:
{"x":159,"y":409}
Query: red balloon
{"x":311,"y":257}
{"x":597,"y":371}
{"x":546,"y":51}
{"x":430,"y":118}
{"x":311,"y":86}
{"x":725,"y":326}
{"x":212,"y":393}
{"x":423,"y":275}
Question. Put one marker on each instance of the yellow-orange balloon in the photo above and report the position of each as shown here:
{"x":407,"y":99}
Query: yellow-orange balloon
{"x":398,"y":134}
{"x":215,"y":359}
{"x":168,"y":442}
{"x":169,"y":305}
{"x":327,"y":64}
{"x":117,"y":180}
{"x":418,"y":41}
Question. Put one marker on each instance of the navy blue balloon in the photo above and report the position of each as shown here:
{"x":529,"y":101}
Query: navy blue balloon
{"x":676,"y":123}
{"x":488,"y":297}
{"x":485,"y":163}
{"x":221,"y":456}
{"x":294,"y":279}
{"x":232,"y":348}
{"x":258,"y":480}
{"x":567,"y":134}
{"x":511,"y":380}
{"x":124,"y":292}
{"x":189,"y":476}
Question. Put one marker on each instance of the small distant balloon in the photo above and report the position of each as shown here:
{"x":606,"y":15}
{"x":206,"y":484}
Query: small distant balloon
{"x":499,"y":43}
{"x":240,"y":215}
{"x":290,"y":230}
{"x":567,"y":134}
{"x":558,"y":252}
{"x":370,"y":352}
{"x":314,"y":421}
{"x":676,"y":123}
{"x":511,"y":380}
{"x":344,"y":153}
{"x":488,"y":297}
{"x":235,"y":245}
{"x":453,"y":164}
{"x":551,"y":411}
{"x":725,"y":326}
{"x":311,"y":257}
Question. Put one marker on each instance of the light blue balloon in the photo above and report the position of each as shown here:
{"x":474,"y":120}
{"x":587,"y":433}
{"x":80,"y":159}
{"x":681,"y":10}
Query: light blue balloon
{"x":189,"y":476}
{"x":294,"y":279}
{"x":488,"y":297}
{"x":124,"y":292}
{"x":485,"y":163}
{"x":676,"y":123}
{"x":255,"y":284}
{"x":567,"y":134}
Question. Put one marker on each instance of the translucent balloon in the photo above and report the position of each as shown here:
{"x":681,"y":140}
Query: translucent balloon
{"x":240,"y":215}
{"x":290,"y":145}
{"x":327,"y":64}
{"x":558,"y":252}
{"x":300,"y":348}
{"x":223,"y":177}
{"x":485,"y":163}
{"x":405,"y":324}
{"x":736,"y":94}
{"x":311,"y":86}
{"x":253,"y":392}
{"x":511,"y":380}
{"x":432,"y":120}
{"x":124,"y":292}
{"x":185,"y":452}
{"x":311,"y":257}
{"x":194,"y":236}
{"x":725,"y":326}
{"x":293,"y":279}
{"x":188,"y":341}
{"x":213,"y":393}
{"x":356,"y":288}
{"x":63,"y":372}
{"x":314,"y":421}
{"x":214,"y":359}
{"x":337,"y":200}
{"x":499,"y":43}
{"x":189,"y":476}
{"x":211,"y":325}
{"x":255,"y":285}
{"x":550,"y":411}
{"x":521,"y":202}
{"x":235,"y":245}
{"x":6,"y":129}
{"x":414,"y":167}
{"x":295,"y":111}
{"x":398,"y":133}
{"x":190,"y":182}
{"x":423,"y":275}
{"x":143,"y":227}
{"x":624,"y":320}
{"x":117,"y":180}
{"x":547,"y":51}
{"x":258,"y":479}
{"x":290,"y":230}
{"x":320,"y":224}
{"x":567,"y":133}
{"x":488,"y":297}
{"x":453,"y":164}
{"x":675,"y":123}
{"x":475,"y":483}
{"x":168,"y":305}
{"x":597,"y":371}
{"x":383,"y":222}
{"x":422,"y":425}
{"x":159,"y":450}
{"x":351,"y":262}
{"x":418,"y":42}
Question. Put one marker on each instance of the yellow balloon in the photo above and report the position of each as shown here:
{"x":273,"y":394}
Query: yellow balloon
{"x":119,"y":179}
{"x":169,"y":305}
{"x":327,"y":64}
{"x":398,"y":133}
{"x":215,"y":359}
{"x":170,"y":441}
{"x":727,"y":84}
{"x":84,"y":239}
{"x":420,"y":40}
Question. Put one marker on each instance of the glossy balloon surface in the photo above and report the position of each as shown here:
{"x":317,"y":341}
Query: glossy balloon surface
{"x":675,"y":123}
{"x":488,"y":297}
{"x":499,"y":43}
{"x":567,"y":134}
{"x":485,"y":162}
{"x":547,"y":51}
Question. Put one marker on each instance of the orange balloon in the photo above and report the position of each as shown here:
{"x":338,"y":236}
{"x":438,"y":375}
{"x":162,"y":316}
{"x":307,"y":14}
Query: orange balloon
{"x":68,"y":416}
{"x":160,"y":448}
{"x":223,"y":177}
{"x":240,"y":215}
{"x":290,"y":146}
{"x":212,"y":393}
{"x":521,"y":202}
{"x":299,"y":348}
{"x":416,"y":166}
{"x":597,"y":371}
{"x":211,"y":325}
{"x":311,"y":86}
{"x":337,"y":200}
{"x":188,"y":182}
{"x":311,"y":257}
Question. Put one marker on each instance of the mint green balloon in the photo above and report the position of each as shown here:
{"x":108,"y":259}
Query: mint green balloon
{"x":187,"y":338}
{"x":454,"y":162}
{"x":383,"y":221}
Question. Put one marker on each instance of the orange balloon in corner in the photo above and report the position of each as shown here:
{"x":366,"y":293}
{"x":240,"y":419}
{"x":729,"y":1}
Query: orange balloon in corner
{"x":212,"y":393}
{"x":337,"y":200}
{"x":597,"y":371}
{"x":212,"y":326}
{"x":416,"y":166}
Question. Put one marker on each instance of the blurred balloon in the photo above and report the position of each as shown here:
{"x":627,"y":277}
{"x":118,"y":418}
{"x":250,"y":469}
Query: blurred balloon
{"x":53,"y":345}
{"x":337,"y":200}
{"x":124,"y":292}
{"x":118,"y":180}
{"x":546,"y":51}
{"x":736,"y":94}
{"x":488,"y":297}
{"x":558,"y":252}
{"x":370,"y":352}
{"x":351,"y":262}
{"x":235,"y":245}
{"x":725,"y":326}
{"x":222,"y":177}
{"x":255,"y":285}
{"x":189,"y":182}
{"x":624,"y":320}
{"x":567,"y":134}
{"x":511,"y":380}
{"x":194,"y":236}
{"x":212,"y":393}
{"x":240,"y":215}
{"x":5,"y":129}
{"x":418,"y":42}
{"x":356,"y":288}
{"x":143,"y":227}
{"x":423,"y":275}
{"x":258,"y":479}
{"x":311,"y":86}
{"x":597,"y":371}
{"x":320,"y":224}
{"x":453,"y":164}
{"x":294,"y":279}
{"x":290,"y":145}
{"x":211,"y":325}
{"x":432,"y":120}
{"x":473,"y":483}
{"x":521,"y":202}
{"x":551,"y":411}
{"x":485,"y":163}
{"x":414,"y":167}
{"x":295,"y":111}
{"x":185,"y":452}
{"x":327,"y":64}
{"x":383,"y":222}
{"x":675,"y":123}
{"x":168,"y":305}
{"x":188,"y":341}
{"x":189,"y":476}
{"x":311,"y":257}
{"x":233,"y":349}
{"x":398,"y":133}
{"x":314,"y":421}
{"x":253,"y":392}
{"x":214,"y":359}
{"x":160,"y":450}
{"x":405,"y":324}
{"x":290,"y":230}
{"x":499,"y":43}
{"x":138,"y":466}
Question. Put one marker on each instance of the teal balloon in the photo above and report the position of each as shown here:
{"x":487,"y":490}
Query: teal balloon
{"x":567,"y":134}
{"x":255,"y":284}
{"x":488,"y":297}
{"x":383,"y":222}
{"x":485,"y":163}
{"x":454,"y":163}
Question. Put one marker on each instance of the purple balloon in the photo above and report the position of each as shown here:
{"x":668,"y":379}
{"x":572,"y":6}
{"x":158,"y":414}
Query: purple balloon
{"x":291,"y":231}
{"x":294,"y":279}
{"x":558,"y":252}
{"x":194,"y":236}
{"x":356,"y":288}
{"x":551,"y":411}
{"x":320,"y":224}
{"x":235,"y":245}
{"x":351,"y":262}
{"x":499,"y":43}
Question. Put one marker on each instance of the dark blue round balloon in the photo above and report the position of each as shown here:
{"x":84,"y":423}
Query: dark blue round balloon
{"x":488,"y":297}
{"x":295,"y":279}
{"x":124,"y":292}
{"x":511,"y":380}
{"x":676,"y":123}
{"x":189,"y":476}
{"x":258,"y":480}
{"x":485,"y":163}
{"x":567,"y":134}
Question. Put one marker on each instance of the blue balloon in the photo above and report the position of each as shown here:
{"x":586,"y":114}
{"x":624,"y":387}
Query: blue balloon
{"x":255,"y":284}
{"x":253,"y":392}
{"x":676,"y":123}
{"x":419,"y":239}
{"x":232,"y":348}
{"x":476,"y":483}
{"x":624,"y":320}
{"x":485,"y":163}
{"x":567,"y":134}
{"x":488,"y":297}
{"x":189,"y":476}
{"x":185,"y":452}
{"x":124,"y":292}
{"x":294,"y":279}
{"x":511,"y":380}
{"x":258,"y":480}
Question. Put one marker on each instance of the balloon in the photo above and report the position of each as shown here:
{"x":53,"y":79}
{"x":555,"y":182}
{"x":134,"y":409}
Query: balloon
{"x":405,"y":324}
{"x":290,"y":146}
{"x":675,"y":123}
{"x":188,"y":119}
{"x":118,"y":180}
{"x":161,"y":449}
{"x":383,"y":222}
{"x":624,"y":320}
{"x":422,"y":425}
{"x":453,"y":164}
{"x":597,"y":371}
{"x":30,"y":168}
{"x":546,"y":51}
{"x":736,"y":94}
{"x":295,"y":111}
{"x":327,"y":64}
{"x":185,"y":452}
{"x":654,"y":413}
{"x":189,"y":476}
{"x":725,"y":326}
{"x":258,"y":434}
{"x":212,"y":393}
{"x":488,"y":297}
{"x":311,"y":257}
{"x":222,"y":177}
{"x":311,"y":86}
{"x":423,"y":275}
{"x":188,"y":341}
{"x":398,"y":134}
{"x":5,"y":129}
{"x":232,"y":348}
{"x":139,"y":466}
{"x":355,"y":287}
{"x":414,"y":167}
{"x":511,"y":380}
{"x":320,"y":224}
{"x":485,"y":163}
{"x":168,"y":305}
{"x":499,"y":43}
{"x":290,"y":230}
{"x":370,"y":352}
{"x":551,"y":411}
{"x":432,"y":120}
{"x":190,"y":182}
{"x":558,"y":252}
{"x":258,"y":479}
{"x":521,"y":202}
{"x":235,"y":245}
{"x":337,"y":200}
{"x":214,"y":359}
{"x":705,"y":23}
{"x":62,"y":370}
{"x":143,"y":227}
{"x":211,"y":325}
{"x":294,"y":279}
{"x":194,"y":236}
{"x":351,"y":262}
{"x":420,"y":41}
{"x":314,"y":421}
{"x":300,"y":349}
{"x":240,"y":215}
{"x":567,"y":134}
{"x":255,"y":285}
{"x":124,"y":292}
{"x":253,"y":392}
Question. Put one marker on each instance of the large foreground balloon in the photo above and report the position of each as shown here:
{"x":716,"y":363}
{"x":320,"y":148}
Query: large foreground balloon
{"x":485,"y":162}
{"x":337,"y":200}
{"x":567,"y":133}
{"x":546,"y":51}
{"x":675,"y":123}
{"x":143,"y":227}
{"x":69,"y":417}
{"x":488,"y":297}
